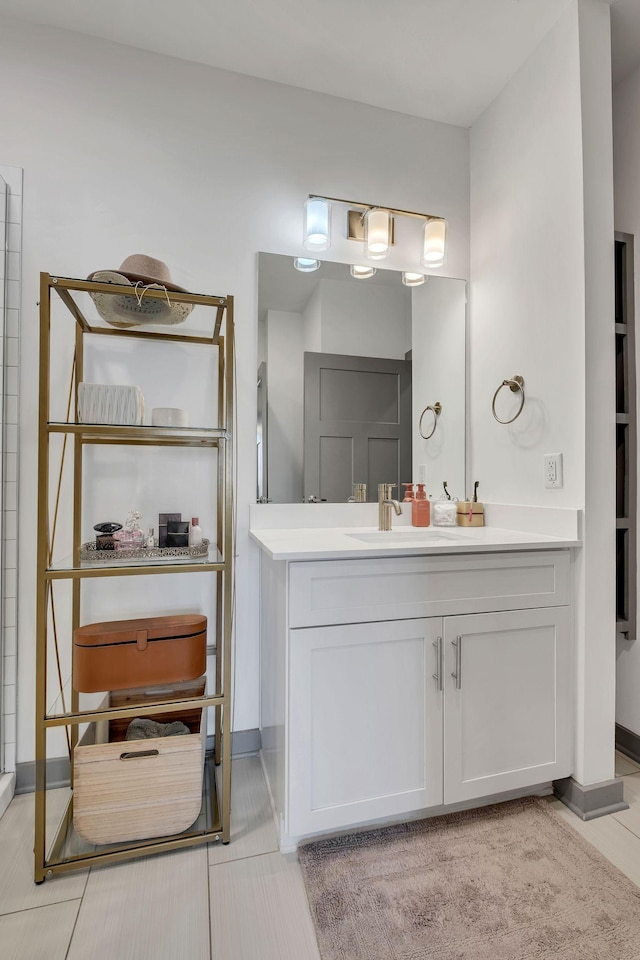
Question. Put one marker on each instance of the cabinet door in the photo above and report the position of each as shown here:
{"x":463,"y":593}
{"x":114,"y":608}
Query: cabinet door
{"x":365,"y":722}
{"x":509,"y":709}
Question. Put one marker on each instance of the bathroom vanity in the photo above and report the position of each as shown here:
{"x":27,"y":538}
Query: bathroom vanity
{"x":404,"y":673}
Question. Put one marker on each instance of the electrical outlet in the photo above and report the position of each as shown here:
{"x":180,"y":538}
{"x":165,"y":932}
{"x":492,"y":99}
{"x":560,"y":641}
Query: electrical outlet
{"x":552,"y":470}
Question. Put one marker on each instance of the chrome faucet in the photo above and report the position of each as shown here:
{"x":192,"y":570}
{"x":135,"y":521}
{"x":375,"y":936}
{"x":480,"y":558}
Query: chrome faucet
{"x":385,"y":502}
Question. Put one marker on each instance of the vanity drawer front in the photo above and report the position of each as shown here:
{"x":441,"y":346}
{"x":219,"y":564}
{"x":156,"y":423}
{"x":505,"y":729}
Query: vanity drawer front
{"x":357,"y":591}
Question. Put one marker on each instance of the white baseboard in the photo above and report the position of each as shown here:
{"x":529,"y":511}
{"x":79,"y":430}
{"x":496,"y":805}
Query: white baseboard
{"x":7,"y":789}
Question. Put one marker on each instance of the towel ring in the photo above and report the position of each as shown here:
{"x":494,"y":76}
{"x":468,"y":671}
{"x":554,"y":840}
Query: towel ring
{"x":436,"y":410}
{"x":515,"y":384}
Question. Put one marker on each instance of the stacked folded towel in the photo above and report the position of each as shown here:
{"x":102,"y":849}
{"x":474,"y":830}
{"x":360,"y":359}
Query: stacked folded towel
{"x":143,"y":728}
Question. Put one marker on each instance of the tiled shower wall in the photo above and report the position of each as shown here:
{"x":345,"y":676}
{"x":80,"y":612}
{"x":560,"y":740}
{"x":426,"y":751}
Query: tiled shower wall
{"x":10,"y":347}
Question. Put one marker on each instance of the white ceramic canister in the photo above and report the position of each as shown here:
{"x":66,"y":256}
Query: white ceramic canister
{"x":169,"y":417}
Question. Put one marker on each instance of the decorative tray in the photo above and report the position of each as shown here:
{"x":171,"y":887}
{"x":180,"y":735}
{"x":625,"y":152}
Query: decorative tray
{"x":89,"y":552}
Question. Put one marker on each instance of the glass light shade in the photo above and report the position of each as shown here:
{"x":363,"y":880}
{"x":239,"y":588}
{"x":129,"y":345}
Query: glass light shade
{"x":361,"y":272}
{"x":377,"y":233}
{"x":413,"y":279}
{"x":435,"y":235}
{"x":316,"y":224}
{"x":305,"y":265}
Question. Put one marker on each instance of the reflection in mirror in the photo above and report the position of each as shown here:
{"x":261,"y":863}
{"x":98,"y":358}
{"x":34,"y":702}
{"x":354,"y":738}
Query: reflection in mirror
{"x":346,"y":368}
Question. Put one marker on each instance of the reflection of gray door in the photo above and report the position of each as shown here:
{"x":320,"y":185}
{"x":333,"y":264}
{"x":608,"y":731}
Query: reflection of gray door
{"x":357,"y":424}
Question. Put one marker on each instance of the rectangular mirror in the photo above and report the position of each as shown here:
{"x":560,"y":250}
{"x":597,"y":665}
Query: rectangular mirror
{"x":353,"y":376}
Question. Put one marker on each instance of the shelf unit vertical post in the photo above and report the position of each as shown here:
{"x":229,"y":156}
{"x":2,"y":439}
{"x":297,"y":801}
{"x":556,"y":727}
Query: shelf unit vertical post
{"x":219,"y":577}
{"x":228,"y":575}
{"x":42,"y":589}
{"x":78,"y":452}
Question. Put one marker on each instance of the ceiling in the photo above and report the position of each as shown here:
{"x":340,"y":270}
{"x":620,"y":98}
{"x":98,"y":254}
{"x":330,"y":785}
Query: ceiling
{"x":444,"y":60}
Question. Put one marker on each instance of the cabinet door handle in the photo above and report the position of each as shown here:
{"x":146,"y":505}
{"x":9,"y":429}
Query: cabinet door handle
{"x":438,"y":674}
{"x":457,"y":676}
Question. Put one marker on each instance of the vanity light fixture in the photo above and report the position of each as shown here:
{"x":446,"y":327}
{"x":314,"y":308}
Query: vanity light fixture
{"x":377,"y":233}
{"x":375,"y":225}
{"x":435,"y":235}
{"x":317,"y":224}
{"x":413,"y":279}
{"x":361,"y":272}
{"x":306,"y":265}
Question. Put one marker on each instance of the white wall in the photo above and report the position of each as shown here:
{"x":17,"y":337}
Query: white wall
{"x":596,"y":616}
{"x":312,"y":321}
{"x":542,"y":307}
{"x":439,"y":328}
{"x":527,"y":270}
{"x":126,"y":152}
{"x":626,"y":127}
{"x":365,"y":320}
{"x":285,"y":400}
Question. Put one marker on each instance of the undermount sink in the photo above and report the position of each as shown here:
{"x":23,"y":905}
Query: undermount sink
{"x":408,"y":536}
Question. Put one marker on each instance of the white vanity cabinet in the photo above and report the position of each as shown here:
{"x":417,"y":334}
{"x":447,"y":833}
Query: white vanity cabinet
{"x":397,"y":685}
{"x":365,"y":723}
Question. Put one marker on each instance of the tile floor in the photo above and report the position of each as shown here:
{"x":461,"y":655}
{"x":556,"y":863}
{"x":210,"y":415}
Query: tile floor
{"x":240,"y":902}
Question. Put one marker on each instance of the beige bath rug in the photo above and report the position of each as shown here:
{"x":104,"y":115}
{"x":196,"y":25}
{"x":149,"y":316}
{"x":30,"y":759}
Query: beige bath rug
{"x":506,"y":882}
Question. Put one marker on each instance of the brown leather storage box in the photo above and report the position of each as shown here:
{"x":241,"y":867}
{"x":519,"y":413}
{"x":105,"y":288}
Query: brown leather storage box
{"x":119,"y":654}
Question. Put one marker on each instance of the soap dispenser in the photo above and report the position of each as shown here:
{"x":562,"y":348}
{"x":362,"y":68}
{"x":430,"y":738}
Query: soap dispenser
{"x":408,"y":493}
{"x":420,"y":508}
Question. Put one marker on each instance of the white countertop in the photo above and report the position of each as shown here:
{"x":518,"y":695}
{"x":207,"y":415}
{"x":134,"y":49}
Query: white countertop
{"x":333,"y":543}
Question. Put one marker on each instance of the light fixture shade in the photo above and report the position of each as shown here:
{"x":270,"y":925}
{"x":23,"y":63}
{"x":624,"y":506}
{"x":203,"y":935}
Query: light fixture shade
{"x":316,"y":224}
{"x":413,"y":279}
{"x":377,"y":233}
{"x":362,"y":272}
{"x":305,"y":265}
{"x":435,"y":235}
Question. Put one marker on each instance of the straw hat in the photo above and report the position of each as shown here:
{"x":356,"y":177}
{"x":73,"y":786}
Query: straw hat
{"x":146,"y":269}
{"x":141,"y":273}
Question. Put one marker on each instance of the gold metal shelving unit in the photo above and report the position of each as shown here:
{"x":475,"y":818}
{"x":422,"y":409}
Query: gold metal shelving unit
{"x":63,"y":850}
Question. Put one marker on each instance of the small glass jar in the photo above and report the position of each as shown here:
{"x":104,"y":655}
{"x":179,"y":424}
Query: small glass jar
{"x":444,"y":513}
{"x":131,"y":537}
